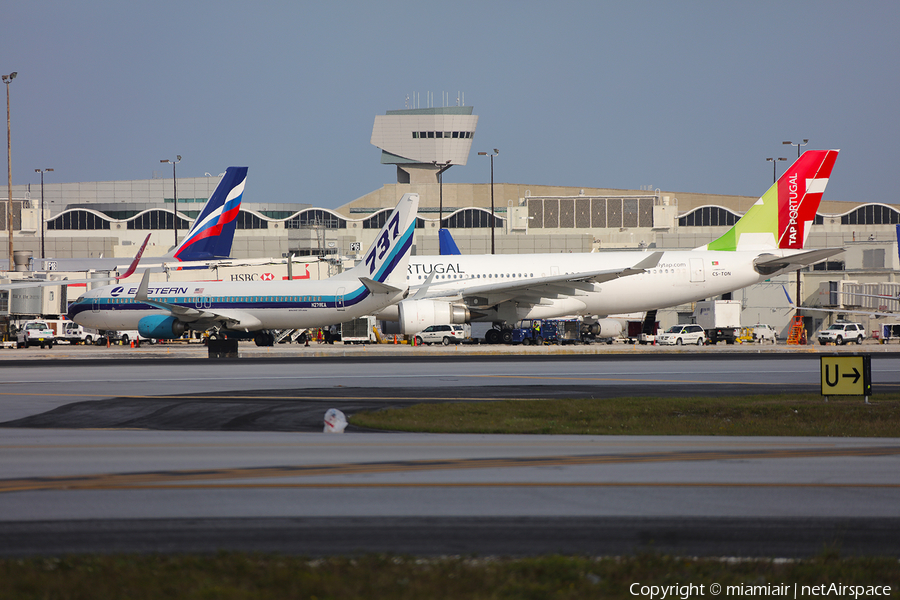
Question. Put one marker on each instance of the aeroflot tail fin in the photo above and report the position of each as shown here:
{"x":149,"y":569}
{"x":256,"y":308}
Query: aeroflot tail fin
{"x":213,"y":231}
{"x":782,"y":217}
{"x":387,"y":259}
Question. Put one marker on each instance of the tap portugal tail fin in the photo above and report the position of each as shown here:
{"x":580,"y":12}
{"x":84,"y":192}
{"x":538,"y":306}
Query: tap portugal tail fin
{"x":782,"y":217}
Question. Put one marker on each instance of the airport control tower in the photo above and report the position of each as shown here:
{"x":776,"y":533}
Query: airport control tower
{"x":424,"y":142}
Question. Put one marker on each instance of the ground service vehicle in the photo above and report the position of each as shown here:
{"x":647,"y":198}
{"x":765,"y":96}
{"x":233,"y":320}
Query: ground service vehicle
{"x":720,"y":319}
{"x":682,"y":334}
{"x":842,"y":332}
{"x":76,"y":334}
{"x":35,"y":333}
{"x":358,"y":331}
{"x":890,"y":331}
{"x":643,"y":332}
{"x":763,"y":333}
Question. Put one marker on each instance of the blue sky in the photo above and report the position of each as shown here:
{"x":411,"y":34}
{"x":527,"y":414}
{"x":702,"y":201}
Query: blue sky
{"x":682,"y":96}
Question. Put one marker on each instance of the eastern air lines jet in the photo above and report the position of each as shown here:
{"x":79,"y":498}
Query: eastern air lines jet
{"x":167,"y":310}
{"x":766,"y":241}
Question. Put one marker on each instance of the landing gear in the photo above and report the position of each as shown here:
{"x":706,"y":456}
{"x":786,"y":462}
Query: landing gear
{"x":264,"y":338}
{"x":492,"y":336}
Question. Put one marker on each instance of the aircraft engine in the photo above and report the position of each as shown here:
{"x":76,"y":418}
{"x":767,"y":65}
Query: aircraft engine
{"x":161,"y":327}
{"x":607,"y":328}
{"x":416,"y":315}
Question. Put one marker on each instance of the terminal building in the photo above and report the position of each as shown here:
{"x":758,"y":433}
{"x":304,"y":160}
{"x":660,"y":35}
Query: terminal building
{"x":92,"y":219}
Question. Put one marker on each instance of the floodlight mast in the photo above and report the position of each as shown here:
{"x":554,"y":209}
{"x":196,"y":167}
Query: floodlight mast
{"x":174,"y":193}
{"x":9,"y":209}
{"x":496,"y":152}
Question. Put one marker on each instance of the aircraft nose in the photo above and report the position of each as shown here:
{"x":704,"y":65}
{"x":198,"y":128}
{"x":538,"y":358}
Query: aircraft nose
{"x":74,"y":309}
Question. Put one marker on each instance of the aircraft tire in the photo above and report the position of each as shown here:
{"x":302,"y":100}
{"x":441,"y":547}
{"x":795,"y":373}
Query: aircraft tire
{"x":506,"y":337}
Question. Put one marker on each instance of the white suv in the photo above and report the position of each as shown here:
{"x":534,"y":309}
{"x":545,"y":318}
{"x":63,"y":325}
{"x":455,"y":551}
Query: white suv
{"x":842,"y":333}
{"x":444,"y":334}
{"x":683,"y":334}
{"x":35,"y":333}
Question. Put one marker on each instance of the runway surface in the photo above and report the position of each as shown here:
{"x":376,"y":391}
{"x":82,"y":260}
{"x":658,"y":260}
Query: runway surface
{"x":197,"y":455}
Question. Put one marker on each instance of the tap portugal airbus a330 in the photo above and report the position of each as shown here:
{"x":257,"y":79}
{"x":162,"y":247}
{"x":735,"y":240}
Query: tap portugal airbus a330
{"x":167,"y":310}
{"x":766,"y":241}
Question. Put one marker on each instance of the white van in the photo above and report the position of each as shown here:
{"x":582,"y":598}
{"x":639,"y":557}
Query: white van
{"x":442,"y":334}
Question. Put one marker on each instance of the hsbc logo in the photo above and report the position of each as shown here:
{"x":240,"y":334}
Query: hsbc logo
{"x":253,"y":277}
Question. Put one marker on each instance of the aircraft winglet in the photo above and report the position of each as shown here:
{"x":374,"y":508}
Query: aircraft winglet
{"x":137,"y":259}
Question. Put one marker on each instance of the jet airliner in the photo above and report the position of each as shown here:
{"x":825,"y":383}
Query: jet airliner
{"x":766,"y":241}
{"x":166,"y":310}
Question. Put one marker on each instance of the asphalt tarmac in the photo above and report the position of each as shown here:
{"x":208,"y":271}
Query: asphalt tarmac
{"x":167,"y":451}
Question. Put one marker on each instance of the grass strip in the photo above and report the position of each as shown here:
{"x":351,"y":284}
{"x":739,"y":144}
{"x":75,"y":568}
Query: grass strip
{"x":240,"y":576}
{"x":775,"y":415}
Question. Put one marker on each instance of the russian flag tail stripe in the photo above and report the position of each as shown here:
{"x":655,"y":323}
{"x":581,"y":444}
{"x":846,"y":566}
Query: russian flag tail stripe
{"x":212,"y":234}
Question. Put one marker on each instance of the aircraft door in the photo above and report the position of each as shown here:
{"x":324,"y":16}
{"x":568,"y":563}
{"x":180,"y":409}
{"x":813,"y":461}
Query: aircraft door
{"x":203,"y":302}
{"x":697,"y":275}
{"x":339,"y":299}
{"x":95,"y":306}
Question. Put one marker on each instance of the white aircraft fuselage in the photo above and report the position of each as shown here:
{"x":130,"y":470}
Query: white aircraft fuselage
{"x":255,"y":305}
{"x":679,"y":276}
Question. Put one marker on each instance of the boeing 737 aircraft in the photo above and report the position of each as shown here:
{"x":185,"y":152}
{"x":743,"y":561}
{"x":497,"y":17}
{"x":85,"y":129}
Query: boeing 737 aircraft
{"x":210,"y":237}
{"x":766,"y":241}
{"x":167,"y":310}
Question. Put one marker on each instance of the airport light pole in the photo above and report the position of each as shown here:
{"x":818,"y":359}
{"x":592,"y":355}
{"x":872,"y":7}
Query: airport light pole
{"x":774,"y":162}
{"x":798,"y":144}
{"x":496,"y":152}
{"x":42,"y":171}
{"x":799,"y":299}
{"x":441,"y":168}
{"x":7,"y":79}
{"x":174,"y":192}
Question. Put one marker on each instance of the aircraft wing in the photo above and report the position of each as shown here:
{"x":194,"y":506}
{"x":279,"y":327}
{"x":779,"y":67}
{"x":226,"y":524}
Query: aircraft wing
{"x":769,"y":263}
{"x":233,"y":319}
{"x":27,"y":283}
{"x":553,"y":285}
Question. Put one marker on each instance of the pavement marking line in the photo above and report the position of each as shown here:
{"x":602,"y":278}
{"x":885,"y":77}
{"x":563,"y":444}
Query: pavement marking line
{"x":631,"y":380}
{"x":508,"y":484}
{"x":155,"y":478}
{"x":247,"y":397}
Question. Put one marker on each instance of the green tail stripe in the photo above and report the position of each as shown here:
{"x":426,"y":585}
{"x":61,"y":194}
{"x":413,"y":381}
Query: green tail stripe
{"x":761,"y":218}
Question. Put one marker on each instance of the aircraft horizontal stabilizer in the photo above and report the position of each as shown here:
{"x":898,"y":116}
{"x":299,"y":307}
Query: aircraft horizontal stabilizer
{"x":376,"y":287}
{"x":767,"y":264}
